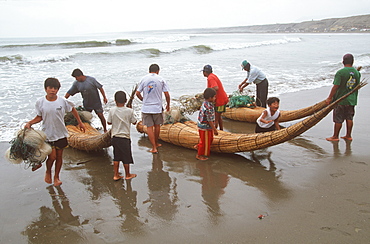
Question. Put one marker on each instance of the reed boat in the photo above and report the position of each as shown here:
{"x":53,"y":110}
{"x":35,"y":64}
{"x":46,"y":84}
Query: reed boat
{"x":186,"y":134}
{"x":90,"y":140}
{"x":251,"y":114}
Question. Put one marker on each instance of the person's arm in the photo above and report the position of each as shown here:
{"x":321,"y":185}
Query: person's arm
{"x":276,"y":122}
{"x":138,"y":94}
{"x":35,"y":120}
{"x":168,"y":100}
{"x":77,"y":116}
{"x":213,"y":127}
{"x":103,"y":94}
{"x":332,"y":93}
{"x":67,"y":95}
{"x":243,"y":84}
{"x":264,"y":114}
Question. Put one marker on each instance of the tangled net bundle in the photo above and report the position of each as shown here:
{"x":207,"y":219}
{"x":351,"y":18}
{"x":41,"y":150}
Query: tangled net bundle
{"x":85,"y":116}
{"x":240,"y":100}
{"x":186,"y":105}
{"x":28,"y":146}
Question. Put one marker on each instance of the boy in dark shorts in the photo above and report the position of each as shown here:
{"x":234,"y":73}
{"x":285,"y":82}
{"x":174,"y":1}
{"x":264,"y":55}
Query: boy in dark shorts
{"x":120,"y":117}
{"x":345,"y":80}
{"x":50,"y":110}
{"x":269,"y":119}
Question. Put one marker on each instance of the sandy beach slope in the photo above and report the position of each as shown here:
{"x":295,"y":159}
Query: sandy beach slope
{"x":308,"y":190}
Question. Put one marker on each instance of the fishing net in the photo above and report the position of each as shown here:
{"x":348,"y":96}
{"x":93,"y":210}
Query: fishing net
{"x":29,"y":146}
{"x":239,"y":100}
{"x":85,"y":116}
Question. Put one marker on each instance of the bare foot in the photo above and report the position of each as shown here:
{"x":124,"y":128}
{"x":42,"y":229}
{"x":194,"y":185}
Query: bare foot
{"x":36,"y":167}
{"x":196,"y":147}
{"x":153,"y":151}
{"x":57,"y":182}
{"x":347,"y":138}
{"x":48,"y":178}
{"x":332,"y":139}
{"x":115,"y":178}
{"x":131,"y":176}
{"x":159,"y":145}
{"x":201,"y":157}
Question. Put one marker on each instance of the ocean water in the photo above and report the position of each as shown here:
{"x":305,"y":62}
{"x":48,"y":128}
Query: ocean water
{"x":292,"y":62}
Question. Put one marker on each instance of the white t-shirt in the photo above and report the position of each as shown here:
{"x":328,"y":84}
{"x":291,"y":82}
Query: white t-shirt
{"x":255,"y":75}
{"x":152,"y":86}
{"x":52,"y":113}
{"x":268,"y":117}
{"x":121,"y":119}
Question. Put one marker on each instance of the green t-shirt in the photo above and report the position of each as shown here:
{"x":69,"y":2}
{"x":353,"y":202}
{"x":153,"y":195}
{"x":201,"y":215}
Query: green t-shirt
{"x":347,"y":79}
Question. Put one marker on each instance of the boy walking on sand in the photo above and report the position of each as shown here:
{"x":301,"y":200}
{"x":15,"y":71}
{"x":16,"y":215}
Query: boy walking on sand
{"x":206,"y":124}
{"x":269,"y":119}
{"x":50,"y":110}
{"x":120,"y":117}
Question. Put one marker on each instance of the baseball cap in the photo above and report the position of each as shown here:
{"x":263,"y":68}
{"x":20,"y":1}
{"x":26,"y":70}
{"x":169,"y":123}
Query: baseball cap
{"x":207,"y":68}
{"x":244,"y":63}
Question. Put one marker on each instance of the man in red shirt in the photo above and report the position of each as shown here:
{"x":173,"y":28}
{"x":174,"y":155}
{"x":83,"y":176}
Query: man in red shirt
{"x":221,"y":97}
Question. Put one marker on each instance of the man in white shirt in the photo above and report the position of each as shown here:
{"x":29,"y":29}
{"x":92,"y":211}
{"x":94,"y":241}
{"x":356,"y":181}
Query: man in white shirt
{"x":150,"y":92}
{"x":256,"y":76}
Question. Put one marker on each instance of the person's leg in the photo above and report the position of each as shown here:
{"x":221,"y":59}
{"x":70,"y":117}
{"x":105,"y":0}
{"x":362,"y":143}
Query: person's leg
{"x":116,"y":175}
{"x":219,"y":122}
{"x":335,"y":137}
{"x":127,"y":172}
{"x":157,"y":131}
{"x":201,"y":146}
{"x":349,"y":126}
{"x":49,"y":164}
{"x":262,"y":92}
{"x":151,"y":135}
{"x":103,"y":121}
{"x":58,"y":166}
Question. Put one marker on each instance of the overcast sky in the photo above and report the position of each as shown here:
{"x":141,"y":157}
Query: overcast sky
{"x":35,"y":18}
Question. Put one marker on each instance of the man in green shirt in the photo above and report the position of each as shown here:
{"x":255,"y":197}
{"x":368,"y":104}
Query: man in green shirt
{"x":345,"y":80}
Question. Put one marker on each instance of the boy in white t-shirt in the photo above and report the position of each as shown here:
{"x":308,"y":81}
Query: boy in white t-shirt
{"x":50,"y":110}
{"x":120,"y":117}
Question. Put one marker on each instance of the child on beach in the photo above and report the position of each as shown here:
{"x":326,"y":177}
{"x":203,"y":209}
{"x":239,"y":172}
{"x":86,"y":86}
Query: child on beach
{"x":51,"y":109}
{"x":269,"y":119}
{"x":206,"y":124}
{"x":120,"y":117}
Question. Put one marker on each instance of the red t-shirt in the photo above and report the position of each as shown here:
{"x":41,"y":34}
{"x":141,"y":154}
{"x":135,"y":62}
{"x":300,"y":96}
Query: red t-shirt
{"x":221,"y":96}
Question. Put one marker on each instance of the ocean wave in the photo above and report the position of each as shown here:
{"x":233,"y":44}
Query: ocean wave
{"x":94,"y":43}
{"x":20,"y":59}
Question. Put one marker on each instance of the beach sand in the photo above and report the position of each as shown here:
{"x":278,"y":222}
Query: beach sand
{"x":308,"y":190}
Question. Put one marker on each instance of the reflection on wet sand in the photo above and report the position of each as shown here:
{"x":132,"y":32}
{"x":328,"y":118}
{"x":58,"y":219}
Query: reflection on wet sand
{"x":336,"y":150}
{"x":163,"y":197}
{"x":247,"y":167}
{"x":55,"y":224}
{"x":213,"y":185}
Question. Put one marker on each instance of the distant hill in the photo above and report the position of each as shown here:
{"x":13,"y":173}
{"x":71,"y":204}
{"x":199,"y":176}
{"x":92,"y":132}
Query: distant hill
{"x":357,"y":24}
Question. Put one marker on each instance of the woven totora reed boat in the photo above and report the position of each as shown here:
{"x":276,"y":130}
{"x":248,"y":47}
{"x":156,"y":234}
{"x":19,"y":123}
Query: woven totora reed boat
{"x":91,"y":140}
{"x":186,"y":134}
{"x":251,"y":114}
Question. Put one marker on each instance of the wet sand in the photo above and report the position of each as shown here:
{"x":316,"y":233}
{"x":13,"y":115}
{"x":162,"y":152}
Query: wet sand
{"x":309,"y":190}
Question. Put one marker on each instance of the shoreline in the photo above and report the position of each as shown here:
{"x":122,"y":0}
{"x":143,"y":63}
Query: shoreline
{"x":309,"y":190}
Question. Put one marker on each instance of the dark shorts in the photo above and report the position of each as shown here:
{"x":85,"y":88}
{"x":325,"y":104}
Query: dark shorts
{"x":260,"y":129}
{"x":97,"y":109}
{"x":59,"y":144}
{"x":220,"y":109}
{"x":152,"y":119}
{"x":342,"y":113}
{"x":122,"y":150}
